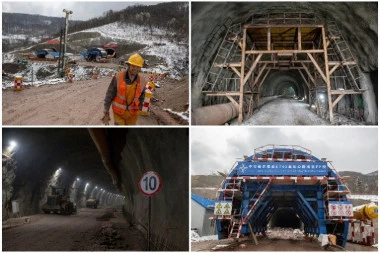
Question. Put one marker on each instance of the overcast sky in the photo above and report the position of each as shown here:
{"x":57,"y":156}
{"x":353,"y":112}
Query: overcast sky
{"x":217,"y":148}
{"x":82,"y":10}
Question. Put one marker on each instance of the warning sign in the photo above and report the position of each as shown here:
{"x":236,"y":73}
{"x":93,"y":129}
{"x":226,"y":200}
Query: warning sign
{"x":223,"y":208}
{"x":337,"y":208}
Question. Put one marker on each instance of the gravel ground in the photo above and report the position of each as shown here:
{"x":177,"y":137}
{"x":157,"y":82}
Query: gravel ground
{"x":85,"y":231}
{"x":284,"y":111}
{"x":81,"y":103}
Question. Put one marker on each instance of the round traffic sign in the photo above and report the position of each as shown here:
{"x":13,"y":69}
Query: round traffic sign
{"x":150,"y":183}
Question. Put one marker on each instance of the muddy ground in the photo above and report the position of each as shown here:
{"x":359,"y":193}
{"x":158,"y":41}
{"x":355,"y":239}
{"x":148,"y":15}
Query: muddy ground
{"x":81,"y":103}
{"x":266,"y":244}
{"x":89,"y":230}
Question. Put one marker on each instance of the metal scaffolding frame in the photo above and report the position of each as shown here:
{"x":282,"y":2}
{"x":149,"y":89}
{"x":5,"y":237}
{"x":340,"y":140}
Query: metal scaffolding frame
{"x":282,"y":41}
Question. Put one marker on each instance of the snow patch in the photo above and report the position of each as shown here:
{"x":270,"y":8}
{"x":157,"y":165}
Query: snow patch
{"x":183,"y":115}
{"x":195,"y":237}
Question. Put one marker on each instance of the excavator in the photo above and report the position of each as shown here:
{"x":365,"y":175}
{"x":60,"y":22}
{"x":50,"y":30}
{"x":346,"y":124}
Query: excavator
{"x":59,"y":202}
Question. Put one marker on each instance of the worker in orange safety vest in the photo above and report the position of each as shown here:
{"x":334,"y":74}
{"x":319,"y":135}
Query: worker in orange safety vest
{"x":124,"y":93}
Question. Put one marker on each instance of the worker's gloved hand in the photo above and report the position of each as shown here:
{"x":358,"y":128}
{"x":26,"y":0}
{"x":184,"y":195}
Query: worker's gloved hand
{"x":106,"y":118}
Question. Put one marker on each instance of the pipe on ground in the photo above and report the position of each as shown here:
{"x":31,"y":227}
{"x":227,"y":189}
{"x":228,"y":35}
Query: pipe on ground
{"x":214,"y":114}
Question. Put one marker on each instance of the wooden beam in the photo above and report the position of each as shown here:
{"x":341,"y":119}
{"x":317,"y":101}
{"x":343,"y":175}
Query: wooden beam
{"x":333,"y":69}
{"x":308,"y":73}
{"x":337,"y":100}
{"x":303,"y":77}
{"x":226,"y":65}
{"x":232,"y":100}
{"x":236,"y":71}
{"x":242,"y":76}
{"x":249,"y":26}
{"x":259,"y":74}
{"x":263,"y":79}
{"x":284,"y":51}
{"x":252,"y":68}
{"x":346,"y":92}
{"x":333,"y":63}
{"x":317,"y":67}
{"x":268,"y":39}
{"x":299,"y":38}
{"x":327,"y":77}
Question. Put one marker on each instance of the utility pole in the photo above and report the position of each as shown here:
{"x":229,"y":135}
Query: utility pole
{"x":66,"y":28}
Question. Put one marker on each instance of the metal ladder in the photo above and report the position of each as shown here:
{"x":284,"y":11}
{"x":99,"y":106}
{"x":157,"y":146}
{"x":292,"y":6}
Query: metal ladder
{"x":226,"y":50}
{"x":236,"y":230}
{"x":340,"y":48}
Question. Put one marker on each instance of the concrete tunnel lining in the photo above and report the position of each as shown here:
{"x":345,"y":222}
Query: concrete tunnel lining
{"x":357,"y":21}
{"x":134,"y":151}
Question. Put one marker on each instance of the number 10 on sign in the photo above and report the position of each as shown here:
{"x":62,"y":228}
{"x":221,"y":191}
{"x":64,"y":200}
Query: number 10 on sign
{"x":150,"y":183}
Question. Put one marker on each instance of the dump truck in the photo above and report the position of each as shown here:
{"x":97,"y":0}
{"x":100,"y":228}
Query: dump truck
{"x":59,"y":202}
{"x":92,"y":203}
{"x":283,"y":186}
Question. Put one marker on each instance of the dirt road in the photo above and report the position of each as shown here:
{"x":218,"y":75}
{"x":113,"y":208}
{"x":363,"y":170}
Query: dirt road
{"x":80,"y":103}
{"x":89,"y":230}
{"x":284,"y":111}
{"x":265,"y":244}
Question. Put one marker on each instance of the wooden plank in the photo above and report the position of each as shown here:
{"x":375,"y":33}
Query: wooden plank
{"x":236,"y":71}
{"x":327,"y":80}
{"x":252,"y":68}
{"x":299,"y":38}
{"x":342,"y":63}
{"x":258,"y":75}
{"x":232,"y":100}
{"x":253,"y":234}
{"x":268,"y":39}
{"x":333,"y":69}
{"x":317,"y":67}
{"x":294,"y":51}
{"x":303,"y":77}
{"x":308,"y":73}
{"x":242,"y":76}
{"x":337,"y":100}
{"x":263,"y":79}
{"x":251,"y":26}
{"x":346,"y":92}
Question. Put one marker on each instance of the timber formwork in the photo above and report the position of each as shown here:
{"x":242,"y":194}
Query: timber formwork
{"x":281,"y":41}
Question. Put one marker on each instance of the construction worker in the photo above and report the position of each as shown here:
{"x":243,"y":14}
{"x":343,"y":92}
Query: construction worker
{"x":124,"y":92}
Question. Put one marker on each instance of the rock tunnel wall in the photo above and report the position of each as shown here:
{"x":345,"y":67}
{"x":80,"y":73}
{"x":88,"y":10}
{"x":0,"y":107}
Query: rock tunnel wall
{"x":166,"y":152}
{"x":357,"y":21}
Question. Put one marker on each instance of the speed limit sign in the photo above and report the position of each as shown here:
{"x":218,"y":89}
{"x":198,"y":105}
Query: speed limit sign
{"x":150,"y":183}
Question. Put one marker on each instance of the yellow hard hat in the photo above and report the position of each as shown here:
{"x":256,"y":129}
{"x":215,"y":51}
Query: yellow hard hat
{"x":136,"y":60}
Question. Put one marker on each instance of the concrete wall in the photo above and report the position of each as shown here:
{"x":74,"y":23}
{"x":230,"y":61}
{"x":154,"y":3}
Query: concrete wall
{"x":200,"y":219}
{"x":165,"y":151}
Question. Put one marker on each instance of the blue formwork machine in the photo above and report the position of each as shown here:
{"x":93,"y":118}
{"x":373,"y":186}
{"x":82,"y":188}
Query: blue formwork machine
{"x":280,"y":184}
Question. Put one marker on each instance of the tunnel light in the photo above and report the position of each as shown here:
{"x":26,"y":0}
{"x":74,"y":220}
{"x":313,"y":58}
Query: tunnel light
{"x":78,"y":179}
{"x":101,"y":189}
{"x":12,"y":145}
{"x":96,"y":187}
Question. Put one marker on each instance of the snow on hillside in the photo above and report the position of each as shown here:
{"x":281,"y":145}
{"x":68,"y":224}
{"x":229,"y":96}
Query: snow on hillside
{"x":157,"y":42}
{"x":19,"y":37}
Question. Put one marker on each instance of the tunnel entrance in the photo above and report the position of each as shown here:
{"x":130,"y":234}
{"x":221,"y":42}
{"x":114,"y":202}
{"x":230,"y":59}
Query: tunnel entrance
{"x":252,"y":52}
{"x":285,"y":218}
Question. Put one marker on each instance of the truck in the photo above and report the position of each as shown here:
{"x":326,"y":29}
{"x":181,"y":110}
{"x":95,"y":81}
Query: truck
{"x":59,"y":202}
{"x":92,"y":203}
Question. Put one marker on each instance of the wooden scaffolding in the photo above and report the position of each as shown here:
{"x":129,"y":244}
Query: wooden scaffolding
{"x":282,"y":41}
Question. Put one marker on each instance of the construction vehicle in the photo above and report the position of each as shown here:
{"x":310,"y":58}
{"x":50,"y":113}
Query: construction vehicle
{"x":59,"y":202}
{"x":283,"y":186}
{"x":95,"y":54}
{"x":92,"y":203}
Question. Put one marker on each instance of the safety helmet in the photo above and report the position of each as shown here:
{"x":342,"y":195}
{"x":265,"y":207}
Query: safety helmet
{"x":136,"y":60}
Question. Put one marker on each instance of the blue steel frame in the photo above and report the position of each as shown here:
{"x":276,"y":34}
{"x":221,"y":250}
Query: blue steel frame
{"x":311,"y":210}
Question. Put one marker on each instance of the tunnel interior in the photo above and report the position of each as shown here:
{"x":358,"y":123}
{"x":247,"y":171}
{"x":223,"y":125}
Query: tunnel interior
{"x":285,"y":218}
{"x":357,"y":28}
{"x":106,"y":165}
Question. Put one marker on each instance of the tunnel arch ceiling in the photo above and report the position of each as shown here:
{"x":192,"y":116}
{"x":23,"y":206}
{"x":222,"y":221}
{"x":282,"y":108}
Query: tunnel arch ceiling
{"x":41,"y":151}
{"x":357,"y":22}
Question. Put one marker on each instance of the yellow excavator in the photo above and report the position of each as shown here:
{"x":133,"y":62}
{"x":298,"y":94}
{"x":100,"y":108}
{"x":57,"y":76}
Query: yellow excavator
{"x":59,"y":202}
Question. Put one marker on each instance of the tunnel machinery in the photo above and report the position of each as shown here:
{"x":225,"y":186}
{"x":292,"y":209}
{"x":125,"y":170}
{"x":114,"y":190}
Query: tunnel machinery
{"x":283,"y":186}
{"x":293,"y":42}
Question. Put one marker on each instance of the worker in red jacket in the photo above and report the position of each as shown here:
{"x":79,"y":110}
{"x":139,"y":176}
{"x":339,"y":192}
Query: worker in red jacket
{"x":124,"y":92}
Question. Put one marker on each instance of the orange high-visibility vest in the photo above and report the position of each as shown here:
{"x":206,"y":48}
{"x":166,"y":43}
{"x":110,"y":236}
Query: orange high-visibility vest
{"x":119,"y":104}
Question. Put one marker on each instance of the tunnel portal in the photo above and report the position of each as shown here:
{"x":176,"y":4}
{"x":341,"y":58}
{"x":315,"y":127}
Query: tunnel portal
{"x":255,"y":58}
{"x":282,"y":186}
